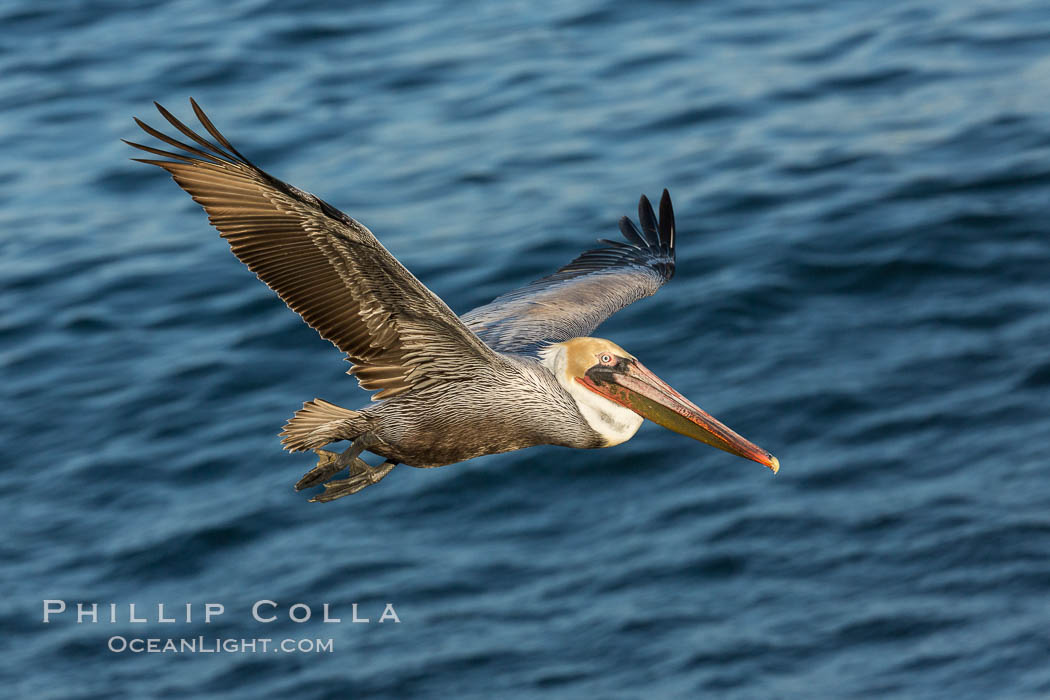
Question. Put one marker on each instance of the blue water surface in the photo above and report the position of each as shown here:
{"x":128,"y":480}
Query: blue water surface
{"x":863,"y":285}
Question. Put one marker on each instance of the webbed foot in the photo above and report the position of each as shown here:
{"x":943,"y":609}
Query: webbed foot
{"x":329,"y":464}
{"x":356,"y":482}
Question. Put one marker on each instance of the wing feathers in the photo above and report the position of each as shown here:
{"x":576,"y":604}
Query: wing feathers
{"x":631,"y":232}
{"x":577,"y":298}
{"x":332,"y":271}
{"x":327,"y":267}
{"x":172,"y":142}
{"x":189,"y":133}
{"x":203,"y":119}
{"x":647,"y":218}
{"x":666,"y":222}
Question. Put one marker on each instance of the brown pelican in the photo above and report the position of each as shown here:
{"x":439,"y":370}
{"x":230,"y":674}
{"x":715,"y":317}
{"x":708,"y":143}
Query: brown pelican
{"x":516,"y":372}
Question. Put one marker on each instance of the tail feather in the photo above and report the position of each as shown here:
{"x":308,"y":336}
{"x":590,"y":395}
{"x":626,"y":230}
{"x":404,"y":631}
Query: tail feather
{"x":318,"y":423}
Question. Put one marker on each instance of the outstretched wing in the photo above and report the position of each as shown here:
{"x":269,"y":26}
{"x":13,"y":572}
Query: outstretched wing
{"x":327,"y":267}
{"x":577,"y":298}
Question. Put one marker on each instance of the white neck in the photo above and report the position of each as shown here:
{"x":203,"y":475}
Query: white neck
{"x":609,"y":419}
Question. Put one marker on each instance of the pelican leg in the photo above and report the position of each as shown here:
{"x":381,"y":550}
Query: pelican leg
{"x":345,"y":487}
{"x":331,"y":463}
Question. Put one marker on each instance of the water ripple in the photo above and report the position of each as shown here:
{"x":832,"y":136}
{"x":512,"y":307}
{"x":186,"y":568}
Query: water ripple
{"x":862,"y":288}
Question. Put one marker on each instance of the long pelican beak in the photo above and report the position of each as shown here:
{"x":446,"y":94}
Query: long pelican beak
{"x":633,"y":386}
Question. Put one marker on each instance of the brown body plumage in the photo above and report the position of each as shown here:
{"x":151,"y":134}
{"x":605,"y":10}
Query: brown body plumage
{"x":454,"y":422}
{"x":517,"y":372}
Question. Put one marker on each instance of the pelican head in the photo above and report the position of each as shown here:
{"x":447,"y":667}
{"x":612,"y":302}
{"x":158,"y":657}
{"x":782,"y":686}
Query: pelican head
{"x":615,"y":391}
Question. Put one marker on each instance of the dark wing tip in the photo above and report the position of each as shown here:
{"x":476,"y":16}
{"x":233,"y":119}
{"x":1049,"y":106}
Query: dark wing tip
{"x":655,"y":233}
{"x":653,"y":244}
{"x":666,"y":222}
{"x":631,"y":232}
{"x":647,"y":218}
{"x":207,"y":123}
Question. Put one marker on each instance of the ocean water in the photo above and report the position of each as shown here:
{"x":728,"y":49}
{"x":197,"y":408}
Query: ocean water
{"x":863,"y":288}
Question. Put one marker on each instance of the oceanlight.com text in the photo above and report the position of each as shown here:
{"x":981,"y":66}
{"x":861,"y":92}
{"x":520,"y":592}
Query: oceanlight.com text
{"x":217,"y":645}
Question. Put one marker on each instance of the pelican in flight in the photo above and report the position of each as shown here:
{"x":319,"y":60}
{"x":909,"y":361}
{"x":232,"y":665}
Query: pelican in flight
{"x":522,"y":370}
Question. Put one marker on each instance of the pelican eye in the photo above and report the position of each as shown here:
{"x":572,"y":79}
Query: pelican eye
{"x":606,"y":359}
